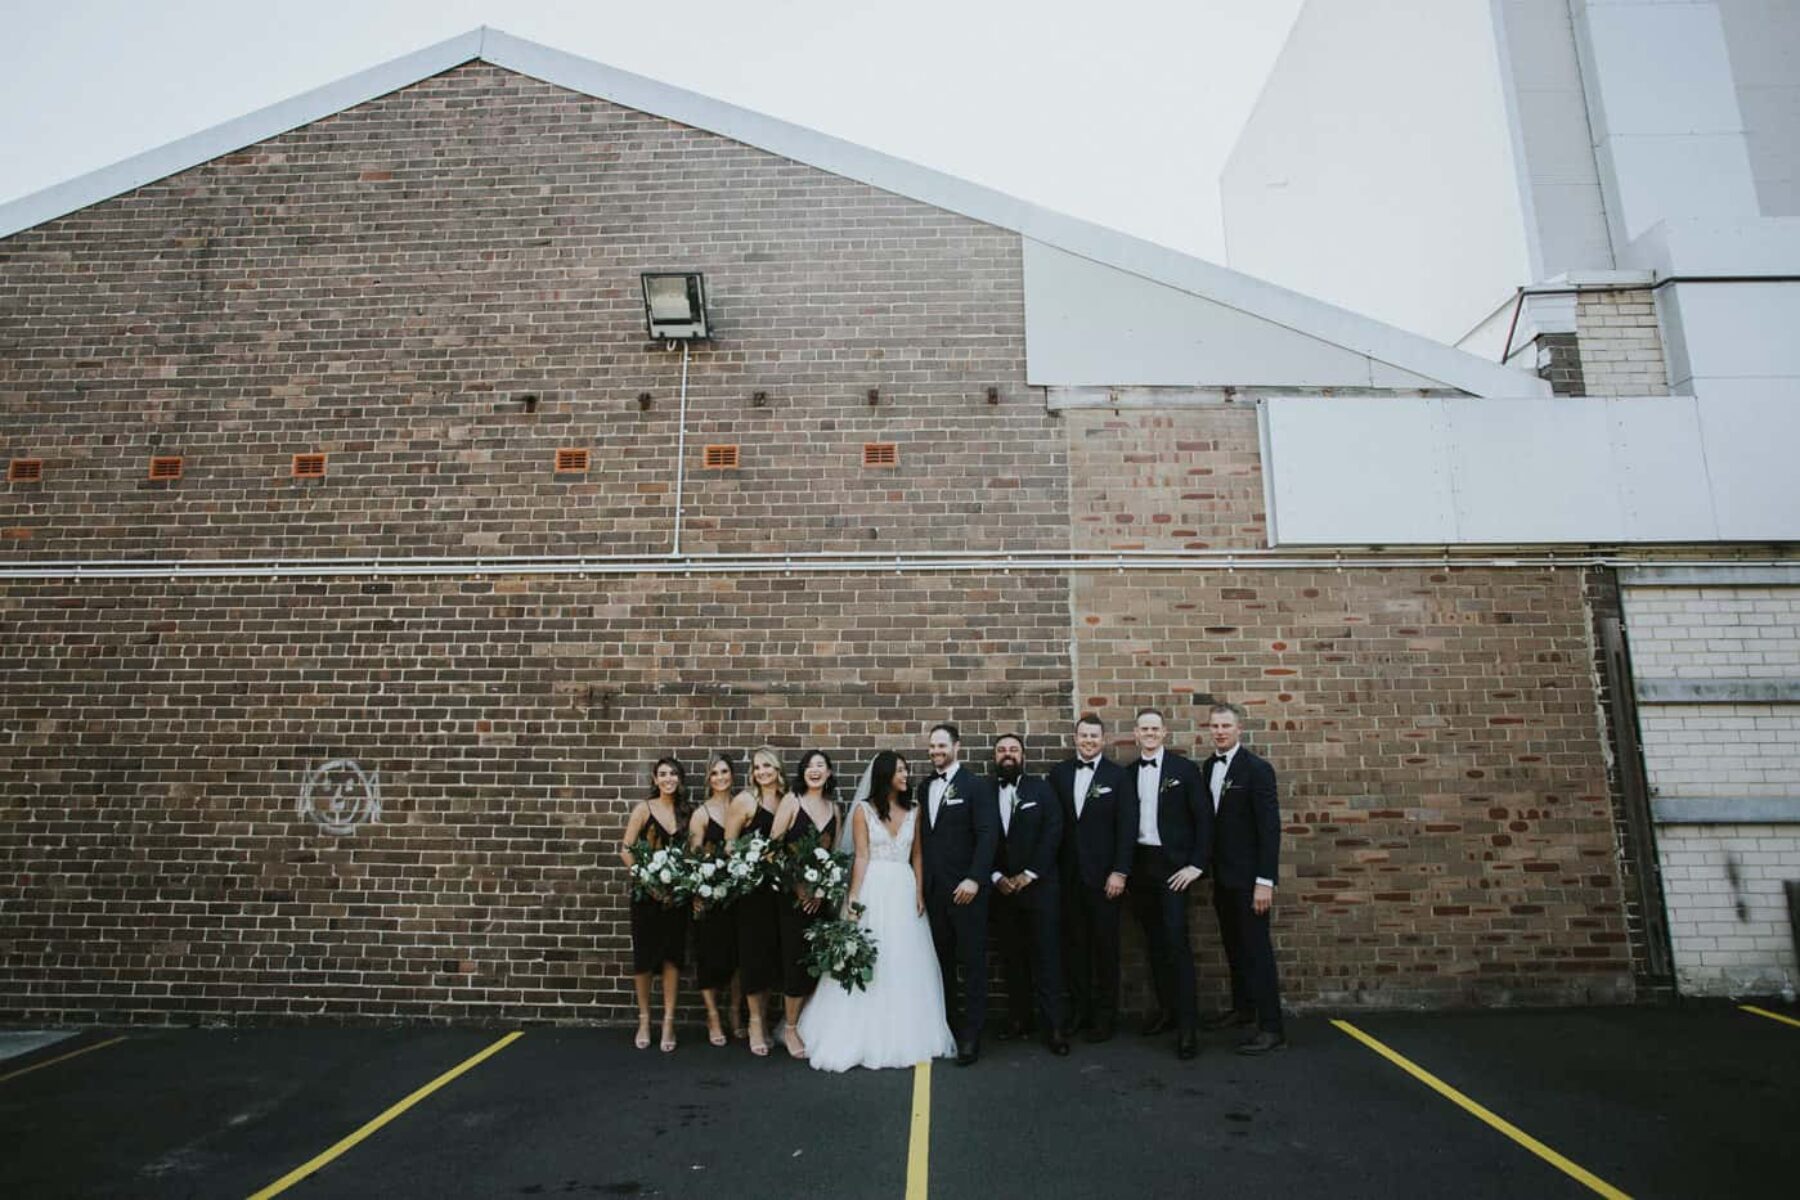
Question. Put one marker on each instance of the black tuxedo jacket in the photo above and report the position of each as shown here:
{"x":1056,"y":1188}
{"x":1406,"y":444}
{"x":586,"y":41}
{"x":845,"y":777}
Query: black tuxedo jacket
{"x":1033,"y":839}
{"x":1184,"y":812}
{"x":962,"y":843}
{"x":1104,"y":837}
{"x":1247,"y":829}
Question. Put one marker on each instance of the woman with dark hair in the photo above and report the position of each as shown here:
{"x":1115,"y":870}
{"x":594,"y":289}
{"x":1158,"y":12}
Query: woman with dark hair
{"x":898,"y":1019}
{"x":758,"y":914}
{"x":809,"y":808}
{"x":658,"y":931}
{"x":715,"y":931}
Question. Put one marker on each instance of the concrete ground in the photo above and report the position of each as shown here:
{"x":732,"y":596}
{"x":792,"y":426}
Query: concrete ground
{"x":1689,"y":1101}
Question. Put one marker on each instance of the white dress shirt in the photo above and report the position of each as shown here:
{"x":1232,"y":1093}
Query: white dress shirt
{"x":1219,"y":769}
{"x":935,"y":793}
{"x":1009,"y":796}
{"x":1149,"y":784}
{"x":1084,"y":779}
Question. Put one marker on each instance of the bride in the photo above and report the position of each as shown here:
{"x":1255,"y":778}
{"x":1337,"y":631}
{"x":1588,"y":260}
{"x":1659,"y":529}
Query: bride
{"x":898,"y":1020}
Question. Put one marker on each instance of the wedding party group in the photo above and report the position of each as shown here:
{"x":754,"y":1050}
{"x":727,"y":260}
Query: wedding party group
{"x":872,"y":918}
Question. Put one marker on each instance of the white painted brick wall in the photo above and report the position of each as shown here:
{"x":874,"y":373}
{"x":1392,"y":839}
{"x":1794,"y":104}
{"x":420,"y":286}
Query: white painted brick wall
{"x":1721,"y":749}
{"x":1620,"y":344}
{"x":1730,"y":936}
{"x":1714,"y":633}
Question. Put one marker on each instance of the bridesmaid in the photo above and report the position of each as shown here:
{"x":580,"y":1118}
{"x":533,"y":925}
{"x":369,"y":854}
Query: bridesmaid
{"x":658,"y":932}
{"x":715,"y":930}
{"x":811,"y":807}
{"x":758,"y":915}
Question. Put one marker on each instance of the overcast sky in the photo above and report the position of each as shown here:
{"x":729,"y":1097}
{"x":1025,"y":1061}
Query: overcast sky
{"x":1118,"y":111}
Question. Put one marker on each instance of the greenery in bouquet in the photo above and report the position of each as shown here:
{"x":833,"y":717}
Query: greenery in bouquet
{"x":751,"y":863}
{"x":818,"y":872}
{"x":709,"y":880}
{"x":842,"y":949}
{"x":661,"y":873}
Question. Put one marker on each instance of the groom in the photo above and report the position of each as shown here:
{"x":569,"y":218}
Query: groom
{"x":962,"y":831}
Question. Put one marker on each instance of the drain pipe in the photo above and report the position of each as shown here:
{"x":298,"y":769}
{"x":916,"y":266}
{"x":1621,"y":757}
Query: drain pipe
{"x":680,"y":449}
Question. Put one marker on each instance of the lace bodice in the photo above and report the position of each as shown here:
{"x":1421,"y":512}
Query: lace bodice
{"x":884,"y":847}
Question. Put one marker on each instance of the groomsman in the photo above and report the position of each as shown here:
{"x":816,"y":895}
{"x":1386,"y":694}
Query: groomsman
{"x":1174,"y":847}
{"x":1246,"y":852}
{"x":1098,"y":799}
{"x":1025,"y":899}
{"x":962,"y":832}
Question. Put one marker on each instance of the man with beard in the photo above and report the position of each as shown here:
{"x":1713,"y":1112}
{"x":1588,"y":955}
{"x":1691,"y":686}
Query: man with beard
{"x":1025,"y":904}
{"x":958,"y":840}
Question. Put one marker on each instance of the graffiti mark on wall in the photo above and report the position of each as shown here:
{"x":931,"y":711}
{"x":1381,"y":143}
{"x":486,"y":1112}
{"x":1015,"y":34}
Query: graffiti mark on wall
{"x":339,"y":795}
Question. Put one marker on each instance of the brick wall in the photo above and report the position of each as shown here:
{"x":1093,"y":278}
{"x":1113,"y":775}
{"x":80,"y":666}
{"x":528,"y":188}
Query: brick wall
{"x":1728,"y":921}
{"x":1620,"y":344}
{"x":388,"y":286}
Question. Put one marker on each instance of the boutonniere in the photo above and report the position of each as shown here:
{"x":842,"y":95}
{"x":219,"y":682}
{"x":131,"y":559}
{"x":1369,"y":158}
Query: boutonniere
{"x":949,"y":794}
{"x":1169,"y":783}
{"x":1095,"y":791}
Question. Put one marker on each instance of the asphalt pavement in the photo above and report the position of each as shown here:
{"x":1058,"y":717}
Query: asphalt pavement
{"x":1696,"y":1100}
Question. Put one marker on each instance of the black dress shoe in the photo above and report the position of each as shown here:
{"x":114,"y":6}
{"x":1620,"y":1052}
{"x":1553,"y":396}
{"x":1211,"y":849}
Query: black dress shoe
{"x":1099,"y":1032}
{"x":967,"y":1052}
{"x":1229,"y":1018}
{"x":1059,"y":1045}
{"x":1160,"y":1023}
{"x":1187,"y":1045}
{"x":1262,"y":1042}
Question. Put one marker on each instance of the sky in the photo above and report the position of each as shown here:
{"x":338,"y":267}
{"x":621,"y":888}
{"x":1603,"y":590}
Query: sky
{"x":1121,"y":112}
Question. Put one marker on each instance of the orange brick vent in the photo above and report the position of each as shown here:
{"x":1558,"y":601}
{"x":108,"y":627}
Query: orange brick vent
{"x":721,"y":458}
{"x":25,"y":470}
{"x":309,"y":466}
{"x":881,"y":454}
{"x":165,"y":467}
{"x":571,"y":461}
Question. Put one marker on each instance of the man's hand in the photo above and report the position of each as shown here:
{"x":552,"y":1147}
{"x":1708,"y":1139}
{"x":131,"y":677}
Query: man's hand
{"x":1019,"y":883}
{"x":965,"y":892}
{"x":1005,"y":886}
{"x":1178,"y":882}
{"x":1115,"y":886}
{"x":1261,"y":898}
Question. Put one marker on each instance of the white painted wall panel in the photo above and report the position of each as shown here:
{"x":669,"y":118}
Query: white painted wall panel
{"x":1461,"y":470}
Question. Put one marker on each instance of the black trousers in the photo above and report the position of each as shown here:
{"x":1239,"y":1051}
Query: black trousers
{"x":1026,"y":926}
{"x":1163,"y":914}
{"x":1251,"y":954}
{"x":1090,"y":941}
{"x":959,"y":931}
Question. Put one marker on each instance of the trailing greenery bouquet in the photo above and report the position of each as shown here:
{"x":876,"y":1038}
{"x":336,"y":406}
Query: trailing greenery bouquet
{"x":662,"y":874}
{"x":751,"y":863}
{"x":819,"y":873}
{"x":842,"y":949}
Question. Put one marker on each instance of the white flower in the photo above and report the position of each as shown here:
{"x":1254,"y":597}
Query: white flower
{"x":666,"y":876}
{"x":821,"y":852}
{"x":706,"y":891}
{"x":708,"y":869}
{"x":812,"y":876}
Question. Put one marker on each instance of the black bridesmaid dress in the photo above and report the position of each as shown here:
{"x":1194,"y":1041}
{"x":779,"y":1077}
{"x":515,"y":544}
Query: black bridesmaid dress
{"x":795,"y":981}
{"x":715,"y":929}
{"x":658,"y":933}
{"x":758,"y":926}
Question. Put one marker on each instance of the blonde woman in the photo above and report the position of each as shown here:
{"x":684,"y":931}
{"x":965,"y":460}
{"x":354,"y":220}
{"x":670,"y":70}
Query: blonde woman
{"x":758,"y":915}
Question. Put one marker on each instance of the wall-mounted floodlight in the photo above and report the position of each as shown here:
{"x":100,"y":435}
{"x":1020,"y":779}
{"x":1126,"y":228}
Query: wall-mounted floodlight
{"x":675,"y":305}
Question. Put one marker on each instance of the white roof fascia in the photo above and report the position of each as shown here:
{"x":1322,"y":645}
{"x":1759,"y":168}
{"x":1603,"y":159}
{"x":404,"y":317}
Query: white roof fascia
{"x":75,"y":194}
{"x":1315,"y":318}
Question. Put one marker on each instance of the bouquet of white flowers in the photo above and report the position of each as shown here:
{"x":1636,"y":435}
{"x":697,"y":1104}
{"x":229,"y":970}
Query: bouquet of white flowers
{"x":750,"y":864}
{"x":661,"y":874}
{"x":819,"y":873}
{"x":709,"y":880}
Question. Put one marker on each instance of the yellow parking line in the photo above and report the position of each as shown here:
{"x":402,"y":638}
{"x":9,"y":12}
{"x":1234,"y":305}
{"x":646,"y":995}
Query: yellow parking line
{"x":918,"y":1148}
{"x":50,"y":1062}
{"x":1493,"y":1119}
{"x":1773,"y":1016}
{"x":314,"y":1163}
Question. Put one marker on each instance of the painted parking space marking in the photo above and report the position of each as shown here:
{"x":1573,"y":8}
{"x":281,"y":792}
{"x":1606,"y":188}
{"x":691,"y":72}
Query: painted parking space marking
{"x":340,"y":1147}
{"x":1773,"y":1016}
{"x":918,"y":1146}
{"x":1487,"y":1116}
{"x":49,"y":1062}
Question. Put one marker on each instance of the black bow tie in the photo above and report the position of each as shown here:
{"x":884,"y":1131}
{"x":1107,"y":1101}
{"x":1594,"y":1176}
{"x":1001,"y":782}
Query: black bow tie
{"x":1146,"y":762}
{"x":940,"y":776}
{"x":1085,"y":764}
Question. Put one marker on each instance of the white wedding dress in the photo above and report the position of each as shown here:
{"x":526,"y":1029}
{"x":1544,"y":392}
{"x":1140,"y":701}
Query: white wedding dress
{"x":898,"y":1020}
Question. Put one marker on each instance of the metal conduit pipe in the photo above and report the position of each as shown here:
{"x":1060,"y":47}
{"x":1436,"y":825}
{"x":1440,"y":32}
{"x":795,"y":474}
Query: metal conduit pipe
{"x":680,"y":450}
{"x":943,"y":563}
